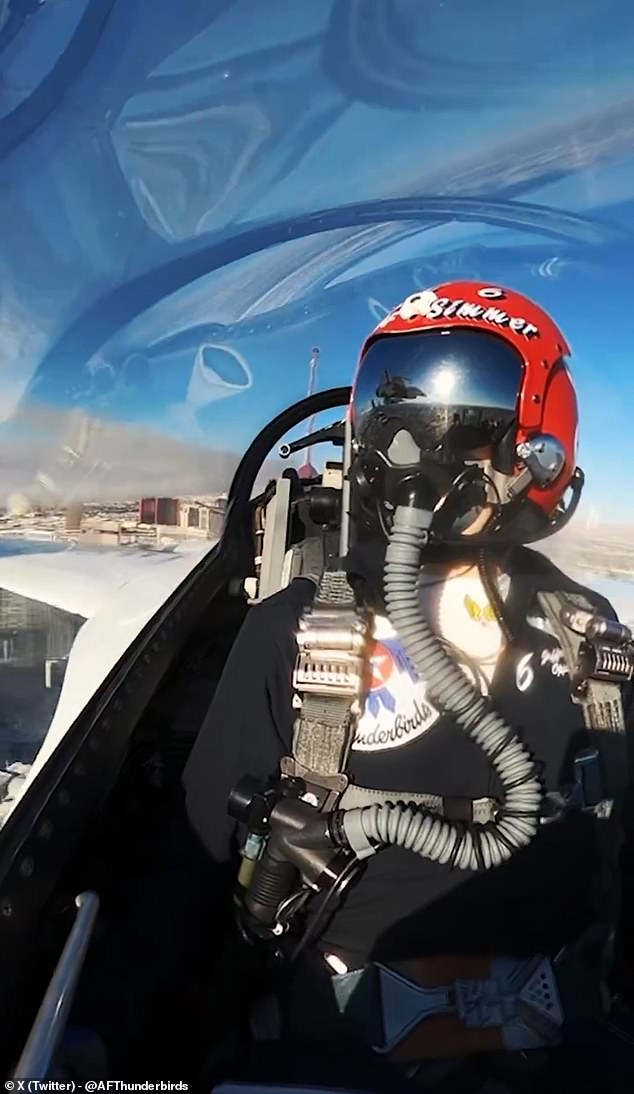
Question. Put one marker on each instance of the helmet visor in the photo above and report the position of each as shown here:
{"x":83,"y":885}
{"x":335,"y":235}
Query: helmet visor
{"x":453,"y":391}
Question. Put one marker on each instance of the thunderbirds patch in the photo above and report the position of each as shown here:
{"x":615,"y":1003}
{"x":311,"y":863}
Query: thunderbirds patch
{"x":396,"y":709}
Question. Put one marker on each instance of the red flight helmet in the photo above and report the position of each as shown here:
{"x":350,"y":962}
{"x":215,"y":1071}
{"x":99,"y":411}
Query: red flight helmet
{"x":465,"y":387}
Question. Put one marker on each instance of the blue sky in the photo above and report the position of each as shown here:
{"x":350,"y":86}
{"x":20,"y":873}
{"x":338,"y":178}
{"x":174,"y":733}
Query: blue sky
{"x":164,"y":149}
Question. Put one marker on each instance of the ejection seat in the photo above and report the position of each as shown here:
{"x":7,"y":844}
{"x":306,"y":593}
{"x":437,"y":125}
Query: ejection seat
{"x":297,"y":530}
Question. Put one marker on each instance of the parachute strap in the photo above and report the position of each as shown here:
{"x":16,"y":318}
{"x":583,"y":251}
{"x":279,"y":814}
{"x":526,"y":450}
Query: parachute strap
{"x":600,"y":657}
{"x":328,"y":681}
{"x":598,"y":666}
{"x":309,"y":558}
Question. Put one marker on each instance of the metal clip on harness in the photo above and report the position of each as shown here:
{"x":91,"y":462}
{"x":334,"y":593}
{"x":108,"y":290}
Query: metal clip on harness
{"x":299,"y":852}
{"x":329,"y":683}
{"x":606,"y":652}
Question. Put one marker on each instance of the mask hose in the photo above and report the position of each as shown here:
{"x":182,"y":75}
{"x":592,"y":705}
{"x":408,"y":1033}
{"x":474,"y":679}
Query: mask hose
{"x":469,"y":846}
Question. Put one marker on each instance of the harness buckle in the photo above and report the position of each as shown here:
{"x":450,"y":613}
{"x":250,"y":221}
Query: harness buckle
{"x":331,"y":660}
{"x":476,"y":1005}
{"x":604,"y":661}
{"x":328,"y":672}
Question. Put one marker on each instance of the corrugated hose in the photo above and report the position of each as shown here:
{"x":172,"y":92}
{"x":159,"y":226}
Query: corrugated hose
{"x":469,"y":846}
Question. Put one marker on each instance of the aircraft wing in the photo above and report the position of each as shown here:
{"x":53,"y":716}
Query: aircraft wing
{"x":116,"y":594}
{"x":82,"y":581}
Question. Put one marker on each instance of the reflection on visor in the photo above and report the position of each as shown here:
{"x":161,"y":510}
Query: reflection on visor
{"x":456,"y":391}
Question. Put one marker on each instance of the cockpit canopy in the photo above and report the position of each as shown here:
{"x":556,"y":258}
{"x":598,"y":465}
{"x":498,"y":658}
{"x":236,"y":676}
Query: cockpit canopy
{"x":203,"y":212}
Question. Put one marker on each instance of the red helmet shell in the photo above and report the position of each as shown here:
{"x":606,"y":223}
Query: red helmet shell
{"x":547,"y":401}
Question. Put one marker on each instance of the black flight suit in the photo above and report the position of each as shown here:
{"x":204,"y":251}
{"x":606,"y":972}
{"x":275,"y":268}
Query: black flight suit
{"x":404,"y":905}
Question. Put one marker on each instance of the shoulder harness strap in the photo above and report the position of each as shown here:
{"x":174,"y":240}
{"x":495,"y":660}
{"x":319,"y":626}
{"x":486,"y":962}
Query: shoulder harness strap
{"x":599,"y":654}
{"x":328,"y":681}
{"x":599,"y":664}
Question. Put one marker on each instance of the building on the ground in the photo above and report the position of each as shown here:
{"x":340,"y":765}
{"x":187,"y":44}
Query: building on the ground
{"x":186,"y":515}
{"x":73,"y":516}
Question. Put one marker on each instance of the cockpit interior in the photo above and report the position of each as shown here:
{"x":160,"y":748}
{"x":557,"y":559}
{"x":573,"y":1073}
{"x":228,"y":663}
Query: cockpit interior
{"x":205,"y":209}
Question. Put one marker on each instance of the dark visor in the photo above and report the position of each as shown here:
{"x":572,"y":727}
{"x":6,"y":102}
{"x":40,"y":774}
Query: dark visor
{"x":457,"y":388}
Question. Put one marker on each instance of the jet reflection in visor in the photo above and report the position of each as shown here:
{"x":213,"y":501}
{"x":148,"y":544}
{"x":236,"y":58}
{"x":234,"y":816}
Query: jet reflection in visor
{"x":393,"y":389}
